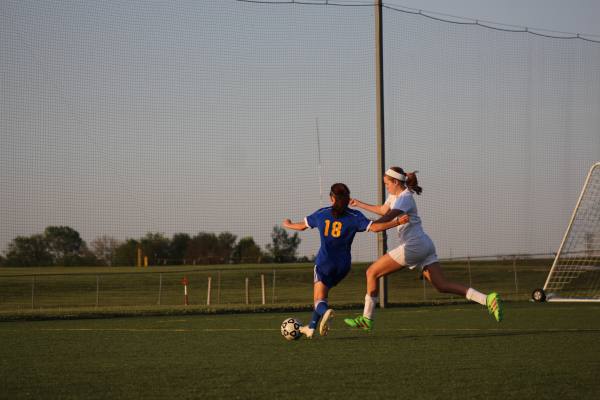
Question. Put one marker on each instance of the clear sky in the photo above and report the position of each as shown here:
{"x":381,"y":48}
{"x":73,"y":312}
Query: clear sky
{"x":122,"y":118}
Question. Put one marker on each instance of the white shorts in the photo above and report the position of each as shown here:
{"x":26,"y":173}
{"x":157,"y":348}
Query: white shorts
{"x":416,"y":254}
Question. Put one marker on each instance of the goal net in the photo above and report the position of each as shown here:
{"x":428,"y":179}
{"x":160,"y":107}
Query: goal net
{"x":575,"y":273}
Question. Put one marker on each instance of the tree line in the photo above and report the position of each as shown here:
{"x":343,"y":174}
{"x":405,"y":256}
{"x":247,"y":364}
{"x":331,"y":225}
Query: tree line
{"x":63,"y":246}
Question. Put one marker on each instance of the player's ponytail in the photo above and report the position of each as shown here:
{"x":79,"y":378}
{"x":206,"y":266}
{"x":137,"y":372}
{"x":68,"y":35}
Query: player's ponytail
{"x":341,"y":197}
{"x":412,"y":183}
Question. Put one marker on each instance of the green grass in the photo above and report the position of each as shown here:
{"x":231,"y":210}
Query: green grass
{"x":227,"y":351}
{"x":543,"y":351}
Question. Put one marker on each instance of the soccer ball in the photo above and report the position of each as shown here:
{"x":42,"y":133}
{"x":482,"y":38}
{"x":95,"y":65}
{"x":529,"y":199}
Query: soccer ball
{"x":290,"y":329}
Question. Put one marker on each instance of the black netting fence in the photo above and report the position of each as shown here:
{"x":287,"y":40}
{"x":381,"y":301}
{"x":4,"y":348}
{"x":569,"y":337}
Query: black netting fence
{"x":121,"y":119}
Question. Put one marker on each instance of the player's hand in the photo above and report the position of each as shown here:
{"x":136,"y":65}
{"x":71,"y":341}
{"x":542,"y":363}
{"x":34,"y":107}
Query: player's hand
{"x":287,"y":222}
{"x":403,"y":219}
{"x":353,"y":203}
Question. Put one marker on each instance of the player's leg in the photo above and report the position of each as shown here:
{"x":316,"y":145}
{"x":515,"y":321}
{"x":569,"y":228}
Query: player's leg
{"x":321,"y":308}
{"x":385,"y":265}
{"x":322,"y":312}
{"x":434,"y":274}
{"x":334,"y":277}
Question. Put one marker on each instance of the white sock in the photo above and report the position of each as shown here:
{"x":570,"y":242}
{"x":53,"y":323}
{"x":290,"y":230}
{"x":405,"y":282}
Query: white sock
{"x":370,"y":303}
{"x":476,"y":296}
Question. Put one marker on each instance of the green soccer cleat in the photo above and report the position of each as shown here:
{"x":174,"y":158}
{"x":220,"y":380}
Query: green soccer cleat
{"x":494,"y":305}
{"x":360,"y":322}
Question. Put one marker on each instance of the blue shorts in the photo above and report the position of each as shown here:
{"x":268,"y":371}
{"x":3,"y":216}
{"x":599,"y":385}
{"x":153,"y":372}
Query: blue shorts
{"x":330,"y":277}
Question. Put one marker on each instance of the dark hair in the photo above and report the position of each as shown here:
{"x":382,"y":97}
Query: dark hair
{"x":411,"y":180}
{"x":341,"y":195}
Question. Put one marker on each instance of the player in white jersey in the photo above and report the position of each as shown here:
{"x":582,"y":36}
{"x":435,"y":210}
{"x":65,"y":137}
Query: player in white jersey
{"x":416,"y":249}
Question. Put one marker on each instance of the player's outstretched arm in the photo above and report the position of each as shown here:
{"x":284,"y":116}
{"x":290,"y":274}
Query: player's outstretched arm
{"x":382,"y":226}
{"x":375,"y":209}
{"x":297,"y":226}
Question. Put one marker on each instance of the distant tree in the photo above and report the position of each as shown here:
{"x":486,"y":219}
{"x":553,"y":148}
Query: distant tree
{"x":226,"y":244}
{"x":306,"y":259}
{"x":246,"y":251}
{"x":126,"y":253}
{"x":283,"y":247}
{"x":85,"y":258}
{"x":104,"y":248}
{"x":58,"y":245}
{"x":208,"y":248}
{"x":1,"y":260}
{"x":156,"y":247}
{"x":65,"y":245}
{"x":28,"y":251}
{"x":203,"y":249}
{"x":178,"y":247}
{"x":266,"y":257}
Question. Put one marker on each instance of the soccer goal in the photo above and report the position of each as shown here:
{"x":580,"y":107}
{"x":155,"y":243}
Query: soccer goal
{"x":575,"y":273}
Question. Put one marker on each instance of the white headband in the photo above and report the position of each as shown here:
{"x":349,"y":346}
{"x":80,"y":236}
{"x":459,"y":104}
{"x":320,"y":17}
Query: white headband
{"x":396,"y":175}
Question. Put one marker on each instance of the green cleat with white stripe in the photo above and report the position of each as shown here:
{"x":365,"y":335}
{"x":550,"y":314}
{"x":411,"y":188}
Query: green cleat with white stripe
{"x":494,"y":306}
{"x":360,"y":322}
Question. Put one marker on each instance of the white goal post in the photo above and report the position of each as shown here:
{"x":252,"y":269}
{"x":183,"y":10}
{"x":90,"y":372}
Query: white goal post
{"x":575,"y":272}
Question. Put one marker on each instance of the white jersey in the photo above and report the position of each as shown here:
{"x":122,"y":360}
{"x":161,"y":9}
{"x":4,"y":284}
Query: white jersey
{"x":413,"y":230}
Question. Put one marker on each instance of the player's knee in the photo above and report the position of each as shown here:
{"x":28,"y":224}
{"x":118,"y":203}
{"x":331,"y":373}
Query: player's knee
{"x":441,"y":287}
{"x":371,"y":274}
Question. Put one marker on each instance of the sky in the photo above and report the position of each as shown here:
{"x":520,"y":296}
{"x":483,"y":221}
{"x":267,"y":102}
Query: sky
{"x":125,"y":118}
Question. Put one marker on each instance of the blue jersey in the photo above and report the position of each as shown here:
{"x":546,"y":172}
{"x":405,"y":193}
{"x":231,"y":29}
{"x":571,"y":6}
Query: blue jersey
{"x":337,"y":235}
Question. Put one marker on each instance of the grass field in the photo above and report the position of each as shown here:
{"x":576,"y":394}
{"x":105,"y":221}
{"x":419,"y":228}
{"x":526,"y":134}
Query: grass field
{"x":540,"y":351}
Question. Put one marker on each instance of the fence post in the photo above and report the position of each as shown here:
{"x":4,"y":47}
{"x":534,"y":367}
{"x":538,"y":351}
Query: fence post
{"x":247,"y":294}
{"x":97,"y":289}
{"x":218,"y":287}
{"x":208,"y":291}
{"x":273,"y":295}
{"x":262,"y":287}
{"x":516,"y":280}
{"x":33,"y":292}
{"x":469,"y":268}
{"x":159,"y":287}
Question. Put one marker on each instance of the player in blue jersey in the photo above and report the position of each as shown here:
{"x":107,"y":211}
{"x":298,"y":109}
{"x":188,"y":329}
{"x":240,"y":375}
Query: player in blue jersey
{"x":337,"y":226}
{"x":416,"y":250}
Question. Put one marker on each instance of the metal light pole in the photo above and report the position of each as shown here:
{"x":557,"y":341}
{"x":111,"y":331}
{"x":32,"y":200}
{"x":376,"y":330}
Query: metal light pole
{"x":381,"y":236}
